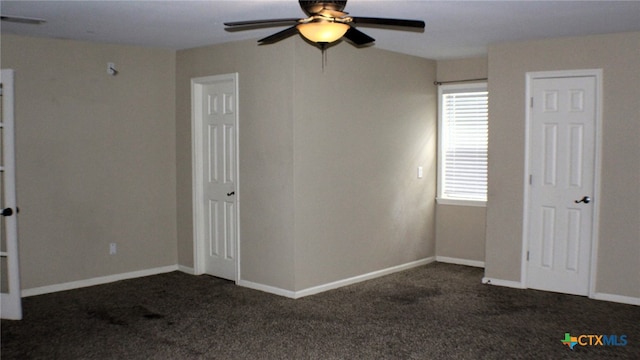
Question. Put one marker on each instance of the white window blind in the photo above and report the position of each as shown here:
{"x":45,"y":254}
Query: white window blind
{"x":463,"y":143}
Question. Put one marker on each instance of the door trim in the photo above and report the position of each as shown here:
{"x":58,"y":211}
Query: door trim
{"x":11,"y":302}
{"x":530,"y":77}
{"x":197,"y":85}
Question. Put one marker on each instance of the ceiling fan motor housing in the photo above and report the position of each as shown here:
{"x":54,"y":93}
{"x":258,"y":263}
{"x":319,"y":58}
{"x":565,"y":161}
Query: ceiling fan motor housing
{"x":311,"y":7}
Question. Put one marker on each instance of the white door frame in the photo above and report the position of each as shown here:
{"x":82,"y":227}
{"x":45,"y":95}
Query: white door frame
{"x":197,"y":85}
{"x":11,"y":302}
{"x":530,"y":77}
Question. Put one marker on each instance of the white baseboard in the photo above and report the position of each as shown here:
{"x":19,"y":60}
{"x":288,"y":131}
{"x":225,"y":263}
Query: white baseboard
{"x":306,"y":292}
{"x":617,"y":298}
{"x":266,"y":288}
{"x":596,"y":296}
{"x":335,"y":284}
{"x":458,"y":261}
{"x":186,"y":269}
{"x":506,"y":283}
{"x":189,"y":270}
{"x":364,"y":277}
{"x":96,"y":281}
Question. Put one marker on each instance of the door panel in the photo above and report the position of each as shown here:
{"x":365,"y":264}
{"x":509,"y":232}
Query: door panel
{"x":562,"y":163}
{"x":550,"y":142}
{"x":212,"y":153}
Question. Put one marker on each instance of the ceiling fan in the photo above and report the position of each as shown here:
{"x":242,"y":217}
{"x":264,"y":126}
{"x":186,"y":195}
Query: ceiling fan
{"x":325,"y":23}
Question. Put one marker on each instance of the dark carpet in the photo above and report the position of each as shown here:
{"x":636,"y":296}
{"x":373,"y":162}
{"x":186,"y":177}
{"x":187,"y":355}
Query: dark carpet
{"x":438,"y":311}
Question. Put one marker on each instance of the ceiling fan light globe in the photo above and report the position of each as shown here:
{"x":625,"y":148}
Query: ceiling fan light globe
{"x":323,"y":32}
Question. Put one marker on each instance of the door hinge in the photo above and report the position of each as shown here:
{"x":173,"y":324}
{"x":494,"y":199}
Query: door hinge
{"x":527,"y":256}
{"x":531,"y":102}
{"x":530,"y":179}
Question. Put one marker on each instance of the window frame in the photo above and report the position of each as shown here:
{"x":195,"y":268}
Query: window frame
{"x":443,"y":90}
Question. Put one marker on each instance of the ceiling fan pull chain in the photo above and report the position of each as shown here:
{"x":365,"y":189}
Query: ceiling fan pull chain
{"x":323,"y":49}
{"x":324,"y":57}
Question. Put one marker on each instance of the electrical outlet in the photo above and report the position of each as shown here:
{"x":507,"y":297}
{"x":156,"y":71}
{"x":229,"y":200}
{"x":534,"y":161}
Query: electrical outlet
{"x":113,"y":249}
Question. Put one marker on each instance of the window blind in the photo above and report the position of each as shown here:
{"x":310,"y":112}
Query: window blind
{"x":464,"y":145}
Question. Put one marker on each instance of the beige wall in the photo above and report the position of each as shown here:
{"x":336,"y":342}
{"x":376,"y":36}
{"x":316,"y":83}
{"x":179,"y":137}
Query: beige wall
{"x":95,"y":158}
{"x":361,"y":129}
{"x":462,"y":69}
{"x":327,"y":159}
{"x":265,"y":150}
{"x":618,"y":264}
{"x":328,"y":192}
{"x":460,"y":230}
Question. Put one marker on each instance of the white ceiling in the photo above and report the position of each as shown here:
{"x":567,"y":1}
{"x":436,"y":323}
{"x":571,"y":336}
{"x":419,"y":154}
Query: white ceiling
{"x":454,"y":29}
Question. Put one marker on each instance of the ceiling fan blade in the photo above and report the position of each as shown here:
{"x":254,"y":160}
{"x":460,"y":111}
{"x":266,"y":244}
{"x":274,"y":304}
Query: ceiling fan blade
{"x":385,"y":21}
{"x":275,"y":22}
{"x":22,"y":20}
{"x":358,"y":37}
{"x":279,"y":36}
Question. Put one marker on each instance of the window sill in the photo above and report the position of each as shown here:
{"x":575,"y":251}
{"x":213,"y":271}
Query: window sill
{"x":458,"y":202}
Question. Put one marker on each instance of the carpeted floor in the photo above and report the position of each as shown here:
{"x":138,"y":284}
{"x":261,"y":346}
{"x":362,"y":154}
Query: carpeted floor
{"x":439,"y":311}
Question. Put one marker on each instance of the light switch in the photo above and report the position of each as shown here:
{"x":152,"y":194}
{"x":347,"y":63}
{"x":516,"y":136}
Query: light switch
{"x":419,"y":172}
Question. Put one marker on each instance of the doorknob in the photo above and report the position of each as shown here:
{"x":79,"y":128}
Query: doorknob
{"x":6,"y":212}
{"x":231,"y":193}
{"x":585,"y":200}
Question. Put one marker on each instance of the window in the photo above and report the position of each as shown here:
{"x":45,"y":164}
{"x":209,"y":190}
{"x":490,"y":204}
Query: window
{"x":462,"y":146}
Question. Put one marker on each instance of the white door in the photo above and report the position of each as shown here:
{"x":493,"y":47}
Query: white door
{"x":561,"y":199}
{"x":215,"y":118}
{"x":10,"y":304}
